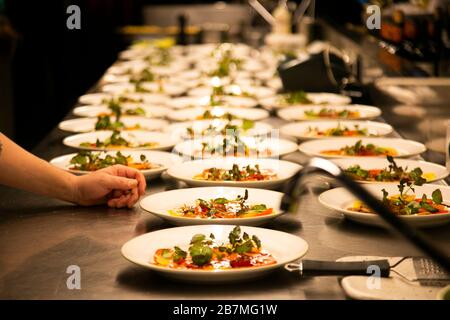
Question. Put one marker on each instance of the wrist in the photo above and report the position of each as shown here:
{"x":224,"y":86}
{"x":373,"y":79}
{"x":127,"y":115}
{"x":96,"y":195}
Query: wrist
{"x":72,"y":192}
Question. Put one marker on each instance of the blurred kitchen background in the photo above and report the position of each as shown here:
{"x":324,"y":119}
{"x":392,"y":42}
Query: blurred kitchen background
{"x":402,"y":68}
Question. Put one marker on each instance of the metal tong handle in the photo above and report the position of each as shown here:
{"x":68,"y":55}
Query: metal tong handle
{"x":310,"y":268}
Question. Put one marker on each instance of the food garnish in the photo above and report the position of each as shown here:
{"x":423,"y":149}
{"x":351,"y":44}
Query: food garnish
{"x":206,"y":253}
{"x":338,"y":131}
{"x":391,"y":173}
{"x":296,"y":97}
{"x":91,"y":161}
{"x":405,"y":204}
{"x":232,"y":146}
{"x":221,"y":128}
{"x":332,"y":114}
{"x":222,"y":208}
{"x":360,"y":150}
{"x":116,"y":141}
{"x":246,"y":173}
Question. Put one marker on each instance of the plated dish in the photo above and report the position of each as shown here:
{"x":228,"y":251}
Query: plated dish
{"x":199,"y":128}
{"x":128,"y":109}
{"x":203,"y":113}
{"x":144,"y":87}
{"x":219,"y":205}
{"x":102,"y":98}
{"x":206,"y":253}
{"x":378,"y":170}
{"x":233,"y":90}
{"x":301,"y":98}
{"x":335,"y":129}
{"x":282,"y":247}
{"x":235,"y":146}
{"x":106,"y":122}
{"x":365,"y":147}
{"x":120,"y":140}
{"x":421,"y":206}
{"x":150,"y":163}
{"x":241,"y":172}
{"x":329,"y":112}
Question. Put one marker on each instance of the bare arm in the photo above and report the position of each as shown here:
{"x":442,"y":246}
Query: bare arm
{"x":118,"y":186}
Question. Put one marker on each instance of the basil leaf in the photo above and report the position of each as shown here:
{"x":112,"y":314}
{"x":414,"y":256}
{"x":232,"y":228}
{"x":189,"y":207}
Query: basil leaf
{"x":198,"y":238}
{"x":437,"y":196}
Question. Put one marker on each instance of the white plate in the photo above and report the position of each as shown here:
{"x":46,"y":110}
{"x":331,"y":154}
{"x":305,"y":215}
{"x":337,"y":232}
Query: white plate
{"x":88,"y":124}
{"x":405,"y":148}
{"x":188,"y":102}
{"x":165,"y":141}
{"x":165,"y":159}
{"x":162,"y":202}
{"x":320,"y":98}
{"x":152,"y":87}
{"x":148,"y":98}
{"x":205,"y":101}
{"x":439,"y":172}
{"x":99,"y":98}
{"x":300,"y":130}
{"x":237,"y":90}
{"x":94,"y":98}
{"x":186,"y":171}
{"x":277,"y":147}
{"x":94,"y":111}
{"x":258,"y":92}
{"x":190,"y":114}
{"x":283,"y":246}
{"x":297,"y":113}
{"x":340,"y":199}
{"x":179,"y":129}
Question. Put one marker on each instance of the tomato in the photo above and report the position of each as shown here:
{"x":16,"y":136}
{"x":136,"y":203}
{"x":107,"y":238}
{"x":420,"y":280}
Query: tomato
{"x":241,"y":262}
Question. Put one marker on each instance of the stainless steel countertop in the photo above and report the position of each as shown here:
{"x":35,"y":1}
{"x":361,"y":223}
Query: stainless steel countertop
{"x":40,"y":238}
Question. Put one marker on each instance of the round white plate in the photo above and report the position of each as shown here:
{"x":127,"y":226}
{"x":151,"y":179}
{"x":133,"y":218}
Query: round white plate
{"x":148,"y":98}
{"x":164,"y":140}
{"x":300,"y":130}
{"x":152,"y":87}
{"x":94,"y":111}
{"x":340,"y":199}
{"x":188,"y":102}
{"x":320,"y":98}
{"x":179,"y":129}
{"x":94,"y":98}
{"x":99,"y":98}
{"x":88,"y":124}
{"x":257,"y":92}
{"x":186,"y":171}
{"x":165,"y":159}
{"x":202,"y":94}
{"x":278,"y":147}
{"x":405,"y":148}
{"x":297,"y":113}
{"x":437,"y":172}
{"x":283,"y":246}
{"x":160,"y":203}
{"x":190,"y":114}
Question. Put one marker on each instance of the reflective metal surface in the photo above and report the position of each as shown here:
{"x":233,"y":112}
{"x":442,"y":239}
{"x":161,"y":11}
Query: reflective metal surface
{"x":40,"y":238}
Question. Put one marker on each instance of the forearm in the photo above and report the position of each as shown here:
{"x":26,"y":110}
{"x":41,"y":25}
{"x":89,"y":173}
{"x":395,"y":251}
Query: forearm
{"x":20,"y":169}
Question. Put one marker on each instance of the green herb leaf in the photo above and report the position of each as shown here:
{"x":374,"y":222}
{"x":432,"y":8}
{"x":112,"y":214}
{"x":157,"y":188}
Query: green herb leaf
{"x":437,"y":196}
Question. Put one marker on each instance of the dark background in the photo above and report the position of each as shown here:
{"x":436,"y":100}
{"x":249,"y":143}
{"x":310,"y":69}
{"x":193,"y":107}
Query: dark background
{"x":52,"y":65}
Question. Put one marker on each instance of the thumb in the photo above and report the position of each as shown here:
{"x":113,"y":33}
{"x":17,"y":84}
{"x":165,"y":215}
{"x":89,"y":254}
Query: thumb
{"x":120,"y":183}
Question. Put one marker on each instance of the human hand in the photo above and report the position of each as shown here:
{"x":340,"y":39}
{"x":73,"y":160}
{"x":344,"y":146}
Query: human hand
{"x":118,"y":186}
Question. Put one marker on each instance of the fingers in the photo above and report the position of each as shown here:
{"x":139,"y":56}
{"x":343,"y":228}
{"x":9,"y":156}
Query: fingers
{"x":131,"y":173}
{"x":124,"y":199}
{"x":119,"y":183}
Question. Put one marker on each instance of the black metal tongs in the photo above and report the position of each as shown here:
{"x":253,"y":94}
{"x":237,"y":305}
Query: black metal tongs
{"x":294,"y":189}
